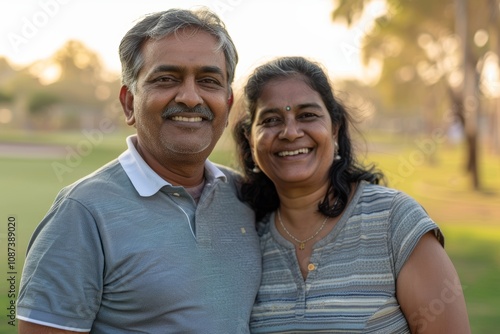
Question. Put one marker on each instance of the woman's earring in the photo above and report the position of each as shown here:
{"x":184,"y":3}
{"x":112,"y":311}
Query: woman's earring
{"x":256,"y":169}
{"x":337,"y":155}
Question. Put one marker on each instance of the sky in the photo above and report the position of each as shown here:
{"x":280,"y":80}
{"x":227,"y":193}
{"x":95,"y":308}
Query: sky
{"x":261,"y":30}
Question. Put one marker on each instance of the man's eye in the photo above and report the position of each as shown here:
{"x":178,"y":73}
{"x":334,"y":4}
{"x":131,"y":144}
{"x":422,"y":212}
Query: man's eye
{"x":209,"y":81}
{"x":164,"y":79}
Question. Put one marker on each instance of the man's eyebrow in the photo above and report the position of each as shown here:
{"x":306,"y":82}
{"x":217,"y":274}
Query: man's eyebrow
{"x":212,"y":69}
{"x":180,"y":69}
{"x":166,"y":68}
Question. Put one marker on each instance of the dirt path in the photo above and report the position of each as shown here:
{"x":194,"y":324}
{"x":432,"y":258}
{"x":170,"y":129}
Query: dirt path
{"x":31,"y":151}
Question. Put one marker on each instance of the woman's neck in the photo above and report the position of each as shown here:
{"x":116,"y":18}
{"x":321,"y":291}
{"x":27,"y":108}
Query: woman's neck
{"x":300,"y":208}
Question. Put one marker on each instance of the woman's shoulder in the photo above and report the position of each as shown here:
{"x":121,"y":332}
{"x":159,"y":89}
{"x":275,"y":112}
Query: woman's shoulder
{"x":383,"y":194}
{"x":376,"y":194}
{"x":378,"y":198}
{"x":370,"y":189}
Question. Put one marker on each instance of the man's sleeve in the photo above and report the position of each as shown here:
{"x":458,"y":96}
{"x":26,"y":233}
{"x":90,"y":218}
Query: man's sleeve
{"x":62,"y":277}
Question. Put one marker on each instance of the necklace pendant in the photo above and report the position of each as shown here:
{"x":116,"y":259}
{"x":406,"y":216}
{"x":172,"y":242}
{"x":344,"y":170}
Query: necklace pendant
{"x":302,"y":246}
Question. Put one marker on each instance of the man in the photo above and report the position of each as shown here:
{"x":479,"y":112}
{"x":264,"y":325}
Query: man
{"x":156,"y":241}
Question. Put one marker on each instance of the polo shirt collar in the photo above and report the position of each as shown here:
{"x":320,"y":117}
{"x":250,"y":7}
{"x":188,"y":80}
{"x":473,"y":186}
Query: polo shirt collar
{"x":145,"y":180}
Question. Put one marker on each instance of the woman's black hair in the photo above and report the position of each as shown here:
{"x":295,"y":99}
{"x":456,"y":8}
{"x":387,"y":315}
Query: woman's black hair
{"x":257,"y":189}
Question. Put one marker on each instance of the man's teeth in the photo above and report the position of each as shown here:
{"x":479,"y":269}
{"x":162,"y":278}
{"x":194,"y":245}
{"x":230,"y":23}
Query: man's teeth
{"x":299,"y":151}
{"x":186,"y":119}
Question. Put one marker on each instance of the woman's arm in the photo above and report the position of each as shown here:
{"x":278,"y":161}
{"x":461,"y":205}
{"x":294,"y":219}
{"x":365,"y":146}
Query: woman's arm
{"x":429,"y":291}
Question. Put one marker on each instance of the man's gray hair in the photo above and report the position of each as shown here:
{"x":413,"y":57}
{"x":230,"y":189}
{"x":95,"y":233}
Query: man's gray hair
{"x":161,"y":24}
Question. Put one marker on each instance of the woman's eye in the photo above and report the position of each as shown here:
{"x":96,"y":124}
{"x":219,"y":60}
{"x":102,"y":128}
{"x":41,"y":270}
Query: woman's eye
{"x":308,"y":116}
{"x":270,"y":121}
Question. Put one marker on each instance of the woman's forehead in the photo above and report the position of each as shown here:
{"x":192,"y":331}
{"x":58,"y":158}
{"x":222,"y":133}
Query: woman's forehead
{"x":282,"y":92}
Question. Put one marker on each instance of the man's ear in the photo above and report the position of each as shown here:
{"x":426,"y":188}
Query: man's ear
{"x":230,"y":101}
{"x":127,"y":101}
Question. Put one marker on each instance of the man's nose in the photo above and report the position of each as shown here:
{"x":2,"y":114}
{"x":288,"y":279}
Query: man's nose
{"x":188,"y":94}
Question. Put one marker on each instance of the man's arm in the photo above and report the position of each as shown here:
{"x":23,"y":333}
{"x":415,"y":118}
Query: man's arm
{"x":26,"y":327}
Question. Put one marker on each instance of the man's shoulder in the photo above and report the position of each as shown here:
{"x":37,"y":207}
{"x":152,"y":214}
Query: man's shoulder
{"x":231,"y":174}
{"x":104,"y":180}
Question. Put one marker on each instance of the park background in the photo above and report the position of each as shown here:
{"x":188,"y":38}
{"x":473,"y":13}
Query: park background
{"x":421,"y":77}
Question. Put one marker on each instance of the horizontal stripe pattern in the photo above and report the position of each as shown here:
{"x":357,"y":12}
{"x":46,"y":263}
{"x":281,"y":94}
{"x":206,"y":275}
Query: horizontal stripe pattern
{"x":352,"y":289}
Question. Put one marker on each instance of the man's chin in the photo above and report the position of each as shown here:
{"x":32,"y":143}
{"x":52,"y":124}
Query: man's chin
{"x":185,"y":147}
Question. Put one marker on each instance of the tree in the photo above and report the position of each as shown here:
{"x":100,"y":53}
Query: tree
{"x":6,"y":97}
{"x":40,"y":101}
{"x":83,"y":91}
{"x":427,"y":46}
{"x":80,"y":73}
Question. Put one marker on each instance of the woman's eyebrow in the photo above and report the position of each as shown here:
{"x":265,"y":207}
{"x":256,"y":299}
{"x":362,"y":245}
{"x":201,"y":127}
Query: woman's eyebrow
{"x":308,"y":105}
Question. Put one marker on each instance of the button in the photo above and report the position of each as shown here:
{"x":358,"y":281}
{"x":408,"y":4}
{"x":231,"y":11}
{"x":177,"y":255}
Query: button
{"x":176,"y":194}
{"x":311,"y":267}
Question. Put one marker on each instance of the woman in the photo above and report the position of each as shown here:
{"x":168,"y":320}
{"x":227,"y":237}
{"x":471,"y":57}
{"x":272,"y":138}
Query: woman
{"x":341,"y":254}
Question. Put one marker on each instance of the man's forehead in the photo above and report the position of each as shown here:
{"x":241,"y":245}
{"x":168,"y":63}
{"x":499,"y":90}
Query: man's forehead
{"x":196,"y":51}
{"x":196,"y":48}
{"x":186,"y":39}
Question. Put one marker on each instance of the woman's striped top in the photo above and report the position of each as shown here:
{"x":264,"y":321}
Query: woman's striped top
{"x":352,"y":288}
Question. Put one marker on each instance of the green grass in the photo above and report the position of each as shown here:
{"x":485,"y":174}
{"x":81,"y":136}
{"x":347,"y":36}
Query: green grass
{"x":475,"y":251}
{"x":29,"y":186}
{"x":470,"y":220}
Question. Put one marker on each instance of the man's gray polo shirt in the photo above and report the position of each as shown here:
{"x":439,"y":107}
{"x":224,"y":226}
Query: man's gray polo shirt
{"x":124,"y":251}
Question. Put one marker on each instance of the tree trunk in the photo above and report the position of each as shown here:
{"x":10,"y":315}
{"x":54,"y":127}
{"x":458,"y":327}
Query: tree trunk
{"x":472,"y":162}
{"x":495,"y":127}
{"x":495,"y":47}
{"x":469,"y":94}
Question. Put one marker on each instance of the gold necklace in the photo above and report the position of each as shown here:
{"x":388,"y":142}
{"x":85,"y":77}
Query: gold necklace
{"x":302,"y":243}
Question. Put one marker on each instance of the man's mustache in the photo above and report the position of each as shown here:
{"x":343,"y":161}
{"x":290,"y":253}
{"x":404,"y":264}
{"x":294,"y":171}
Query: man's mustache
{"x":178,"y":108}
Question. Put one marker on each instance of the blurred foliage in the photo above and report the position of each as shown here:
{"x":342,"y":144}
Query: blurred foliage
{"x":435,"y":61}
{"x":416,"y":45}
{"x":6,"y":97}
{"x":69,"y":90}
{"x":40,"y":101}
